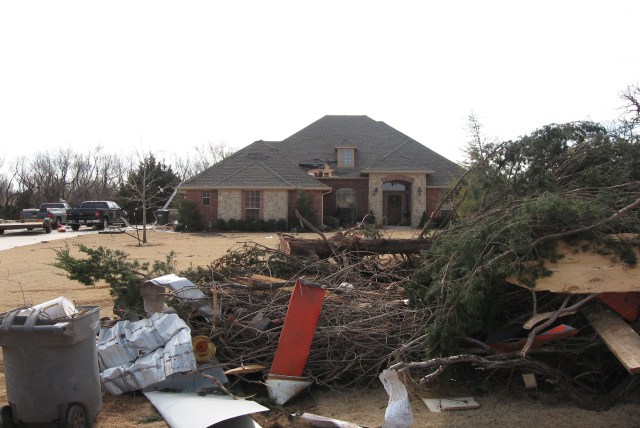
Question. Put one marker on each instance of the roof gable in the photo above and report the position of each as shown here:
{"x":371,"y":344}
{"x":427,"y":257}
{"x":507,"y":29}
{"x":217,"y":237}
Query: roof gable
{"x":378,"y":147}
{"x":257,"y":165}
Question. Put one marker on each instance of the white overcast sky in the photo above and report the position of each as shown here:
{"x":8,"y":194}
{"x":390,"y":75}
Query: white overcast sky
{"x":169,"y":76}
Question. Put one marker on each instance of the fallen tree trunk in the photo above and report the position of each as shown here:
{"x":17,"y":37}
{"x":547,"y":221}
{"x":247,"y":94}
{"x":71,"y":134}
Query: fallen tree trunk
{"x":354,"y":245}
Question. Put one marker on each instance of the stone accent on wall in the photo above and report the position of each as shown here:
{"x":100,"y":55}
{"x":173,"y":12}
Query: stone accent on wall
{"x":418,"y":199}
{"x":229,"y":204}
{"x":274,"y":204}
{"x":375,"y":196}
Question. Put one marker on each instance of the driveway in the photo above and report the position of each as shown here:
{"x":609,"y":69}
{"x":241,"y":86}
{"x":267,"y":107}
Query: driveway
{"x":19,"y":238}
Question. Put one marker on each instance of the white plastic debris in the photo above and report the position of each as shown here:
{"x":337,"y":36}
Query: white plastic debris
{"x":191,"y":410}
{"x":398,"y":413}
{"x":59,"y":308}
{"x":282,"y":388}
{"x":154,"y":295}
{"x":134,"y":355}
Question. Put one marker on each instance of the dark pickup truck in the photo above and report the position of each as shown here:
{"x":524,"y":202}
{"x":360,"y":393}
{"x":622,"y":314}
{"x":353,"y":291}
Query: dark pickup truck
{"x":100,"y":214}
{"x":56,"y":212}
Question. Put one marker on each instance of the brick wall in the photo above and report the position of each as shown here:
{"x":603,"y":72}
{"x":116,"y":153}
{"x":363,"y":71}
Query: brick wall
{"x":433,"y":198}
{"x":316,"y":200}
{"x":209,"y":213}
{"x":360,"y":185}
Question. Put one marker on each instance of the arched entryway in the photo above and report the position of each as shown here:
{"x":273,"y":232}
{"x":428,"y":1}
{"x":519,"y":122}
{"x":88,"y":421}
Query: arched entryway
{"x":396,"y":196}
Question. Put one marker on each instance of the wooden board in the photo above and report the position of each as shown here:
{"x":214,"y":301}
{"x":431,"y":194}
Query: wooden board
{"x":587,"y":272}
{"x":621,"y":339}
{"x":438,"y":405}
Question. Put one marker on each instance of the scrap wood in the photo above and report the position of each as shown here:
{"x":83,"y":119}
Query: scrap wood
{"x":578,"y":271}
{"x":536,"y":330}
{"x":621,"y":339}
{"x":355,"y":246}
{"x":585,"y":399}
{"x":438,"y":405}
{"x":322,"y":421}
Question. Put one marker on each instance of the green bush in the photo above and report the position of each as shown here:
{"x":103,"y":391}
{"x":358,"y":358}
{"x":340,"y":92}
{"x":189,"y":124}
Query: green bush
{"x":241,"y":225}
{"x":270,"y":226}
{"x":189,"y":217}
{"x":423,"y":220}
{"x":232,"y":224}
{"x":124,"y":277}
{"x":369,"y":218}
{"x":281,"y":225}
{"x":331,"y":222}
{"x":221,"y":224}
{"x":305,"y":207}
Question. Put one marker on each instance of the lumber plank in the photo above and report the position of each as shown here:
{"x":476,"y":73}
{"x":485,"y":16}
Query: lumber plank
{"x":586,"y":272}
{"x":621,"y":339}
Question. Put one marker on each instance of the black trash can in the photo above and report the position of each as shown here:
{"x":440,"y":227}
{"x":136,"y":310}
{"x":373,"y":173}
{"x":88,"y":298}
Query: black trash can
{"x":162,"y":217}
{"x":51,"y":368}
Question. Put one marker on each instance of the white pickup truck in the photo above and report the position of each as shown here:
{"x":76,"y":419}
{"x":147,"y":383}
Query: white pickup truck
{"x":56,"y":212}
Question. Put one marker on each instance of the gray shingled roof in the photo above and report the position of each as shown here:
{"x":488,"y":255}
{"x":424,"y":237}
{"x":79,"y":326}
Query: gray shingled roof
{"x":257,"y":165}
{"x":379,"y":147}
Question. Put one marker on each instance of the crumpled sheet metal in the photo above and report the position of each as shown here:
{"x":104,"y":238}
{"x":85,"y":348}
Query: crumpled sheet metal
{"x":183,"y":289}
{"x":134,"y":355}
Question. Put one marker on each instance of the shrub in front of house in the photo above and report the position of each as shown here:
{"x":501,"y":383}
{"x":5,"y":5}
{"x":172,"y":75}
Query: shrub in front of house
{"x":252,"y":225}
{"x":370,"y":218}
{"x":331,"y":222}
{"x":281,"y":225}
{"x":221,"y":224}
{"x":189,"y":217}
{"x":423,"y":220}
{"x":306,"y":209}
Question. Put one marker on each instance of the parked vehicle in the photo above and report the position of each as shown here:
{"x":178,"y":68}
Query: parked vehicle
{"x":54,"y":211}
{"x":44,"y":224}
{"x":100,"y":214}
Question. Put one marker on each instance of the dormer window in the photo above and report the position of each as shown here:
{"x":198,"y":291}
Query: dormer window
{"x":346,"y":157}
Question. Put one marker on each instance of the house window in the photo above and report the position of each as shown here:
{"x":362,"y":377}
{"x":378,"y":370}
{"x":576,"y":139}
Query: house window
{"x":346,"y":204}
{"x":252,"y":205}
{"x":346,"y":198}
{"x":345,"y":157}
{"x":206,"y":198}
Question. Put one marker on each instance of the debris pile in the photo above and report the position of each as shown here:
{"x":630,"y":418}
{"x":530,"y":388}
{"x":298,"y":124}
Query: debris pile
{"x":364,"y":325}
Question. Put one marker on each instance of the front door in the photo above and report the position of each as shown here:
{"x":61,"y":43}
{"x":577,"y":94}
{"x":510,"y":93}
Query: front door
{"x":394,"y":202}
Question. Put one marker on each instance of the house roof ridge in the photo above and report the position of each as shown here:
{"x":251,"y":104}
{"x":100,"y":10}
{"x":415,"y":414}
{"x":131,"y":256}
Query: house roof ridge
{"x":278,"y":175}
{"x":236,"y":172}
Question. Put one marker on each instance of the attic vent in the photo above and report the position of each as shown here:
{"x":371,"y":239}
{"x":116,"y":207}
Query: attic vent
{"x":257,"y":156}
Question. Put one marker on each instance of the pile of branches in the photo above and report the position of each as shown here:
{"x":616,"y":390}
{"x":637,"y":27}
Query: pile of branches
{"x":365,"y":324}
{"x":572,"y":182}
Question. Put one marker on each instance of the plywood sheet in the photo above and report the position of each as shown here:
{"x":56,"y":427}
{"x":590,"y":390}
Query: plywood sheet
{"x":587,"y":272}
{"x":621,"y":339}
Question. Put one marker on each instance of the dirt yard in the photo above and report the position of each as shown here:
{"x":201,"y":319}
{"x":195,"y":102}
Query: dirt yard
{"x":28,"y":277}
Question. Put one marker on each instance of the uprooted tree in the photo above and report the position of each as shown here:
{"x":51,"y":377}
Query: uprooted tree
{"x":574,"y":182}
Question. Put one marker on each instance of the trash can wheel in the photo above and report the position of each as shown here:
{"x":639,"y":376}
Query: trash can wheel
{"x":76,"y":417}
{"x":6,"y":417}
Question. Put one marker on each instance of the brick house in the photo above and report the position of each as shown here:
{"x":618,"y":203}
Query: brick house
{"x":349,"y":165}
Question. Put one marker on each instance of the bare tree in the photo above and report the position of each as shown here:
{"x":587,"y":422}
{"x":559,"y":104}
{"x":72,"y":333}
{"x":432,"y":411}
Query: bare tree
{"x":147,"y":186}
{"x":8,"y":192}
{"x":630,"y":119}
